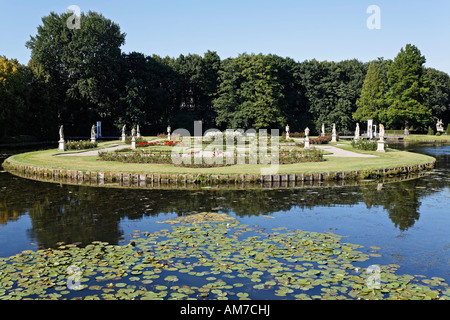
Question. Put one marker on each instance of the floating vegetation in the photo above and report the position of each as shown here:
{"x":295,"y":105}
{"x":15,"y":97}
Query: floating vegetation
{"x":218,"y":259}
{"x":200,"y":217}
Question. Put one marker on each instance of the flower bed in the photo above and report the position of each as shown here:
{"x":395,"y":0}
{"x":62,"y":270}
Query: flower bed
{"x":212,"y":159}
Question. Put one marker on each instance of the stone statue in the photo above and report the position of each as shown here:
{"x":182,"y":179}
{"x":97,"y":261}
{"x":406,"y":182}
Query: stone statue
{"x":62,"y":143}
{"x":307,"y":132}
{"x":381,"y":131}
{"x":323,"y":130}
{"x":439,"y":126}
{"x":357,"y":132}
{"x":333,"y":133}
{"x":138,"y":132}
{"x":93,"y":134}
{"x":123,"y":133}
{"x":287,"y":132}
{"x":380,"y":143}
{"x":61,"y":133}
{"x":133,"y":138}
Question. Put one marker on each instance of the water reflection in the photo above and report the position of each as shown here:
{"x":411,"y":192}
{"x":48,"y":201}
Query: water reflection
{"x":71,"y":213}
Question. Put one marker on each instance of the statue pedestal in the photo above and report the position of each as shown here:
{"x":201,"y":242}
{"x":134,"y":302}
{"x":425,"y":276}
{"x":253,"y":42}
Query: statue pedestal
{"x":133,"y":142}
{"x":93,"y":140}
{"x":333,"y":138}
{"x":307,"y":143}
{"x":62,"y":145}
{"x":380,"y":147}
{"x":123,"y":138}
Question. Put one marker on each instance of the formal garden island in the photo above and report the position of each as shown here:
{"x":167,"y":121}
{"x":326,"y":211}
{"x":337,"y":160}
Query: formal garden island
{"x":216,"y":158}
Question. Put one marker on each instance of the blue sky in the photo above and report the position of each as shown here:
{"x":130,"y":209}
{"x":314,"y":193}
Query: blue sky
{"x":322,"y":29}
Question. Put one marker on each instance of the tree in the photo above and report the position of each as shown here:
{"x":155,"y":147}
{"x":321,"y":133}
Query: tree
{"x":81,"y":66}
{"x":438,"y":101}
{"x":371,"y":104}
{"x":249,"y":94}
{"x":331,"y":90}
{"x":13,"y":86}
{"x":408,"y":89}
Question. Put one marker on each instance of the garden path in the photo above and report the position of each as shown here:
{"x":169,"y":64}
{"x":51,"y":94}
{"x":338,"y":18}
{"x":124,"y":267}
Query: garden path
{"x":338,"y":152}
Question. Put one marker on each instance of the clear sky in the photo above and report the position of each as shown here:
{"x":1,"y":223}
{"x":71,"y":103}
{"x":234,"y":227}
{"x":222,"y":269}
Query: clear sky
{"x":322,"y":29}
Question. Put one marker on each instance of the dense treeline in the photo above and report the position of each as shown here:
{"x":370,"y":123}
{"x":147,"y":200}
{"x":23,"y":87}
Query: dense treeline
{"x":78,"y":76}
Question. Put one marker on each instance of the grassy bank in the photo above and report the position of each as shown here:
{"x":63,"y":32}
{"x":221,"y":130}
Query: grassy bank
{"x":426,"y":137}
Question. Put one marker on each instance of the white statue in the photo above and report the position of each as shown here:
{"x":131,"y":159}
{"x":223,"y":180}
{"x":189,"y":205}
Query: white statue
{"x":439,"y":126}
{"x":307,"y":132}
{"x":93,"y":140}
{"x":93,"y":133}
{"x":323,"y":130}
{"x":138,"y":132}
{"x":333,"y":133}
{"x":357,"y":132}
{"x":287,"y":132}
{"x":61,"y":133}
{"x":123,"y":133}
{"x":381,"y":133}
{"x":62,"y":143}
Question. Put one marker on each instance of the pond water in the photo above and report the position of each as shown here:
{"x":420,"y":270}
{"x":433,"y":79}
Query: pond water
{"x":409,"y":221}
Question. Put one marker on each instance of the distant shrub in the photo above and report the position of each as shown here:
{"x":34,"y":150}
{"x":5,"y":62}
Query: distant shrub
{"x":430,"y":131}
{"x":80,"y":145}
{"x":438,"y":134}
{"x":363,"y":144}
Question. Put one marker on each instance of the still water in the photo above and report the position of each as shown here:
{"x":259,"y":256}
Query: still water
{"x":409,"y":220}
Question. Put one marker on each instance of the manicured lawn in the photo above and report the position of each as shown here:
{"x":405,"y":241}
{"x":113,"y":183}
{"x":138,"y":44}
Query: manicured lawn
{"x":427,"y":137}
{"x":390,"y":159}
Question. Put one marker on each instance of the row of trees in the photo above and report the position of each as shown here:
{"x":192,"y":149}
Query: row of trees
{"x":78,"y":76}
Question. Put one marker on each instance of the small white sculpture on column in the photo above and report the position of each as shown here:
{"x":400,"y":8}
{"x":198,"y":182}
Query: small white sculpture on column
{"x":307,"y":138}
{"x":333,"y":133}
{"x":62,"y":143}
{"x":380,"y":143}
{"x":287,"y":132}
{"x":357,"y":132}
{"x":138,"y":132}
{"x":323,"y":130}
{"x":133,"y":138}
{"x":168,"y":132}
{"x":123,"y":133}
{"x":93,"y":139}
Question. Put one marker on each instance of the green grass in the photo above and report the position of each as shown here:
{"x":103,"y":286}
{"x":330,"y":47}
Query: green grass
{"x":427,"y":137}
{"x":390,"y":159}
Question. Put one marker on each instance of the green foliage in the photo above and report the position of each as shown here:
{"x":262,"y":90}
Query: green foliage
{"x":13,"y":95}
{"x":438,"y":133}
{"x":80,"y":66}
{"x":408,"y":89}
{"x":249,"y":94}
{"x":447,"y":132}
{"x":371,"y":104}
{"x":430,"y":131}
{"x":363,"y":144}
{"x":331,"y":90}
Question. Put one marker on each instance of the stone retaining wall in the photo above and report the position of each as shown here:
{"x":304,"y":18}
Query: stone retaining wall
{"x":154,"y":180}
